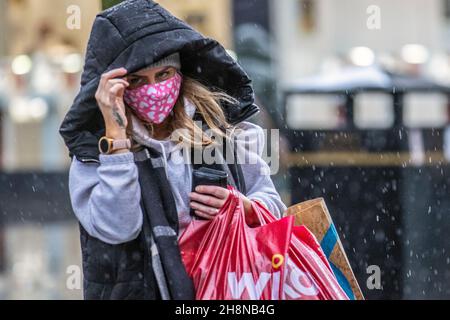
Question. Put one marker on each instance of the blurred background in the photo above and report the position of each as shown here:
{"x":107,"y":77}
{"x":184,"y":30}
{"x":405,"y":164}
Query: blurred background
{"x":359,"y":90}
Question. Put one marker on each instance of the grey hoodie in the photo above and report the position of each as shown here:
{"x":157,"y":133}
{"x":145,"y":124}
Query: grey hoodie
{"x":99,"y":192}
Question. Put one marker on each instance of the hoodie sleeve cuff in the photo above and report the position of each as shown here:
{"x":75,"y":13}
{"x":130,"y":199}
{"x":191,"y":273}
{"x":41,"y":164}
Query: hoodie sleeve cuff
{"x":121,"y":158}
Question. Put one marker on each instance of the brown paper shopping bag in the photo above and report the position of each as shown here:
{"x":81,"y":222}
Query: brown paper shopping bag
{"x":315,"y":216}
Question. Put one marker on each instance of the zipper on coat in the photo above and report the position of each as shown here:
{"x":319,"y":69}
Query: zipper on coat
{"x":89,"y":160}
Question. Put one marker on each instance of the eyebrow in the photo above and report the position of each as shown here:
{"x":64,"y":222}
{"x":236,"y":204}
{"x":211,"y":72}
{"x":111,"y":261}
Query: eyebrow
{"x":164,"y":70}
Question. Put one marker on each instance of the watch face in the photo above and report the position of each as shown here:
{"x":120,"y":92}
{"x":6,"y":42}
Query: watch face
{"x":104,"y":145}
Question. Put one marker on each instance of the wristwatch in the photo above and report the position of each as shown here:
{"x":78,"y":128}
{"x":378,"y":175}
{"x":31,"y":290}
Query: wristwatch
{"x":107,"y":145}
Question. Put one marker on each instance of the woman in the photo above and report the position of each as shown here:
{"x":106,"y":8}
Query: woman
{"x":146,"y":85}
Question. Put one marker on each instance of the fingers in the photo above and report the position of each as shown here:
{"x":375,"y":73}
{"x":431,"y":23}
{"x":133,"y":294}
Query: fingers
{"x":116,"y":91}
{"x":109,"y":78}
{"x":204,"y":215}
{"x":217,"y":192}
{"x":207,"y":200}
{"x":108,"y":81}
{"x":204,"y":208}
{"x":113,"y":74}
{"x":115,"y":88}
{"x":116,"y":81}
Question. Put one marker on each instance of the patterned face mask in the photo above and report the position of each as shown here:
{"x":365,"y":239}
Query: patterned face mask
{"x":154,"y":102}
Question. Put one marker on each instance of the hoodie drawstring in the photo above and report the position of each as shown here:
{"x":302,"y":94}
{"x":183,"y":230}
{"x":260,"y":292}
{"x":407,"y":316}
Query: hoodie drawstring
{"x":164,"y":157}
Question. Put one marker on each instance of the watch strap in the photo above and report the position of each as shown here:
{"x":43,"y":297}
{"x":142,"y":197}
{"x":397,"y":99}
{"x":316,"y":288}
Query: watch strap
{"x":118,"y":144}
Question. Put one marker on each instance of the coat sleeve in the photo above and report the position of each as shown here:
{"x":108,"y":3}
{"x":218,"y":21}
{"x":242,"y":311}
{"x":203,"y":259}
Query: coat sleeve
{"x":106,"y":197}
{"x":250,"y":146}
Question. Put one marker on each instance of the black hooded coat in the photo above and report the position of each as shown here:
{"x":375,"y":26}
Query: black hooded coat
{"x":133,"y":35}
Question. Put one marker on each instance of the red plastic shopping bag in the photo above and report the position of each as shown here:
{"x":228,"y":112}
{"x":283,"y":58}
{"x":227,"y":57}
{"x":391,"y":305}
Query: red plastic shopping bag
{"x":308,"y":272}
{"x":230,"y":260}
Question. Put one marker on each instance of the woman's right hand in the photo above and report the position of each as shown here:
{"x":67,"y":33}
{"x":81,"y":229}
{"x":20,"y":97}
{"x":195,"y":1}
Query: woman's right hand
{"x":109,"y":97}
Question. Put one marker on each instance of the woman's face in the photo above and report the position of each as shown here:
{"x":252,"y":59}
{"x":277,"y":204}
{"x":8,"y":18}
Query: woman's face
{"x":150,"y":76}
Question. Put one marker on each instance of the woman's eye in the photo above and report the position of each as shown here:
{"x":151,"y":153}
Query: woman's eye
{"x":163,"y":75}
{"x":136,"y":82}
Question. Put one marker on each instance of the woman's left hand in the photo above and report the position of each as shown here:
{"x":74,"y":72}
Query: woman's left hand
{"x":208,"y":200}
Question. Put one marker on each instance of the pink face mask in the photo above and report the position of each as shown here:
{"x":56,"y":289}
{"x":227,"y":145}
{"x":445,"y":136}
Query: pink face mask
{"x":154,"y":102}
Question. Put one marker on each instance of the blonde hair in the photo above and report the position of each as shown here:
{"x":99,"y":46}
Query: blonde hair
{"x":208,"y":103}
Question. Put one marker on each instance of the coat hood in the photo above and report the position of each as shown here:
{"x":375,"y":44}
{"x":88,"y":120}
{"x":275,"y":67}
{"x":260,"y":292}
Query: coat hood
{"x":133,"y":35}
